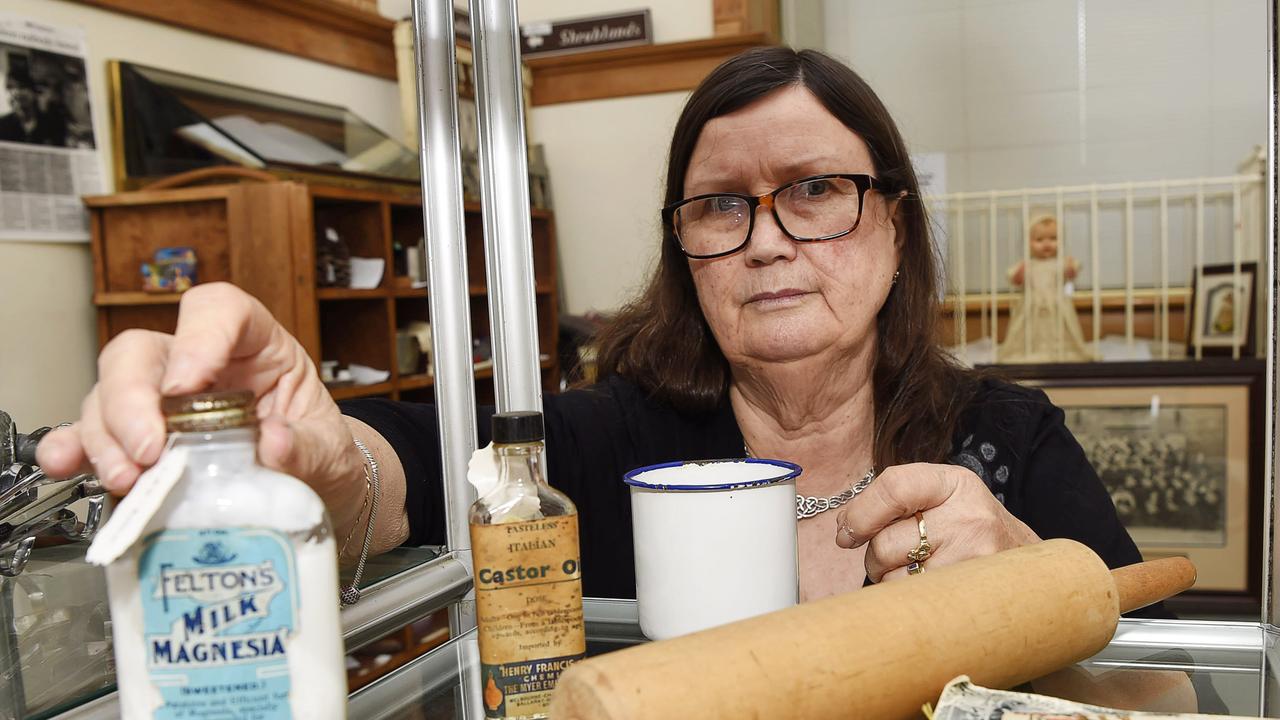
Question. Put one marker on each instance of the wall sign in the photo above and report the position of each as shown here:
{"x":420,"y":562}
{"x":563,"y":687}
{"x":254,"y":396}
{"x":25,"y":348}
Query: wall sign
{"x":560,"y":37}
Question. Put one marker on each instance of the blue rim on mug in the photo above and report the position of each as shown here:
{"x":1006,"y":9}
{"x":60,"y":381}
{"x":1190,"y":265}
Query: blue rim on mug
{"x":792,"y":471}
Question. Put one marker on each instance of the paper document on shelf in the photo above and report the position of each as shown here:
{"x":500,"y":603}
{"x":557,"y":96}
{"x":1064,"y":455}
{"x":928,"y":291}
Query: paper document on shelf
{"x":366,"y":273}
{"x":278,"y":142}
{"x":962,"y":700}
{"x":376,"y":157}
{"x":364,"y":375}
{"x":208,"y":137}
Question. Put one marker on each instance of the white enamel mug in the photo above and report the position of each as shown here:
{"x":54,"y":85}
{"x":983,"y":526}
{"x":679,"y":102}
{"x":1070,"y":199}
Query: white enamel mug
{"x":715,"y":541}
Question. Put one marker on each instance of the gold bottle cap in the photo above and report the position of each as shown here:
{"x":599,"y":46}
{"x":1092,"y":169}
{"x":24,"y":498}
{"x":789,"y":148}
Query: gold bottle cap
{"x":207,"y":412}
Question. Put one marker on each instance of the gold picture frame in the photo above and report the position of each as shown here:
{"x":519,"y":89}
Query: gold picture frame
{"x":1221,"y":317}
{"x":1177,"y":461}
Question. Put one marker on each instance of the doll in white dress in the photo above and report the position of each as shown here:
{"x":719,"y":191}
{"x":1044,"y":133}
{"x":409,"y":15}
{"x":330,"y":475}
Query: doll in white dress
{"x":1043,"y":326}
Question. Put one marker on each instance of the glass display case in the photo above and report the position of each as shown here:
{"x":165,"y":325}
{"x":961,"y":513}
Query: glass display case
{"x":55,"y":628}
{"x":167,"y":123}
{"x":55,"y":632}
{"x":1231,"y":664}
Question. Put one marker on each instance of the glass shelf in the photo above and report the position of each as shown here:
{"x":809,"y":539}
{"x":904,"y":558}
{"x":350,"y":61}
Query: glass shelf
{"x":55,"y":629}
{"x":1226,"y":661}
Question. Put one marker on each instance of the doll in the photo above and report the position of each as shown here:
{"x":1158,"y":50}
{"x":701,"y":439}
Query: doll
{"x":1043,"y":310}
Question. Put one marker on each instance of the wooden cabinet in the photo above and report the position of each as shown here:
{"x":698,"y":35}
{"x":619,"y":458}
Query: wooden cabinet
{"x":260,"y":234}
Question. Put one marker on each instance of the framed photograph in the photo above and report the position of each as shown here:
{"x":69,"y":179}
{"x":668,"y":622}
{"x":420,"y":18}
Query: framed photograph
{"x":1179,"y":448}
{"x":1222,"y":316}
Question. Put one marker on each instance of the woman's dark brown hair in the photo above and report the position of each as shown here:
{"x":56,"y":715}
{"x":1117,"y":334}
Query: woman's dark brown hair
{"x":661,"y":340}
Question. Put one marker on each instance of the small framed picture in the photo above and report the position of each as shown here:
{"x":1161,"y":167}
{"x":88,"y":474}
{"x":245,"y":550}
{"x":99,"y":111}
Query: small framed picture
{"x":1222,"y":317}
{"x":1180,"y":456}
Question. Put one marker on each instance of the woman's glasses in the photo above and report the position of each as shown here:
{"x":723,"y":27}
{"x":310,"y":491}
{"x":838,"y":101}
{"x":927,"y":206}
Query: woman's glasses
{"x":822,"y":207}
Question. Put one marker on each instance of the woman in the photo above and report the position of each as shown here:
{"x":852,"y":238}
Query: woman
{"x":792,"y":315}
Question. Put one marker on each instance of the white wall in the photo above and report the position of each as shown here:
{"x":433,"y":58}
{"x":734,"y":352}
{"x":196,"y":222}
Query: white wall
{"x":1029,"y":93}
{"x":607,"y":159}
{"x":48,"y":340}
{"x":1173,"y":88}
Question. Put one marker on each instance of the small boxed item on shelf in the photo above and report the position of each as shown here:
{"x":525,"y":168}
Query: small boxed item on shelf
{"x":172,"y":270}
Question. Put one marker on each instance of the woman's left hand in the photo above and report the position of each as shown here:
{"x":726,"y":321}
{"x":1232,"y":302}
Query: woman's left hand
{"x":962,"y":518}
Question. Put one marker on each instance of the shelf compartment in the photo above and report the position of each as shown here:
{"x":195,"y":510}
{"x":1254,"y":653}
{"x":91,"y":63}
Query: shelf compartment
{"x":136,"y":233}
{"x":359,"y":223}
{"x":357,"y":331}
{"x":117,"y":319}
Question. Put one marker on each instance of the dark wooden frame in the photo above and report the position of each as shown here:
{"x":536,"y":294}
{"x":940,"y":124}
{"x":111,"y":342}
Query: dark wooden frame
{"x":1251,"y":320}
{"x":322,"y":30}
{"x":1247,"y":372}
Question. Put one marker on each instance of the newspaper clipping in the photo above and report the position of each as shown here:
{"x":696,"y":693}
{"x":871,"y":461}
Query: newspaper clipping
{"x":48,"y":147}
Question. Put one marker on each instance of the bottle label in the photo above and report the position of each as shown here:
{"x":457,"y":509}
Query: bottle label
{"x":529,"y":611}
{"x":219,"y":607}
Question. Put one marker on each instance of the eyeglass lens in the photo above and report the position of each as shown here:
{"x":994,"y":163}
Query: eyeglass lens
{"x":809,"y":210}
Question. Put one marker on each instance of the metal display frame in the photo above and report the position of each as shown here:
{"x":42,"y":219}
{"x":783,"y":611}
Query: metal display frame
{"x":447,"y":580}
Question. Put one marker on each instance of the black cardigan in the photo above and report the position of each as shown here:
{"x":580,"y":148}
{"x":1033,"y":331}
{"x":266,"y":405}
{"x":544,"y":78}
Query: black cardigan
{"x":1012,"y":437}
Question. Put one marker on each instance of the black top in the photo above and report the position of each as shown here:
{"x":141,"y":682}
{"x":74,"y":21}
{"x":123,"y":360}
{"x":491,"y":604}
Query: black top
{"x":1010,"y":436}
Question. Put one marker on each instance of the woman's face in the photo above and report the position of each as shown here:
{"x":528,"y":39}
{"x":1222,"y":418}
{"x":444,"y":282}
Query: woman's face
{"x":778,"y":300}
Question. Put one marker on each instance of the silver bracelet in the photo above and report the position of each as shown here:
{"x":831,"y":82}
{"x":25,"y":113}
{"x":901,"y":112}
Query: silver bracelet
{"x":350,"y":595}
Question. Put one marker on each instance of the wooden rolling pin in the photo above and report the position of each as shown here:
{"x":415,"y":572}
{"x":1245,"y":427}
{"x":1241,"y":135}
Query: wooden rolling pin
{"x":883,"y":651}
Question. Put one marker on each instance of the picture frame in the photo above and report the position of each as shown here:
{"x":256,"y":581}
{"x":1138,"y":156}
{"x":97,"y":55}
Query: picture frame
{"x":1222,"y":320}
{"x":1142,"y":424}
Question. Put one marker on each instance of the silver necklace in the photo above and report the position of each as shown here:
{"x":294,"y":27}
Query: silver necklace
{"x":808,"y":506}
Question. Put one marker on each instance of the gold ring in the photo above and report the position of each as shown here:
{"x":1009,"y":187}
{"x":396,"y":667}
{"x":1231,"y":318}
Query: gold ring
{"x":923,"y":550}
{"x":845,"y":530}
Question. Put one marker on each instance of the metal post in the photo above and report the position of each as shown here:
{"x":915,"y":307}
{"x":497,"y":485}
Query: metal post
{"x":1239,"y":333}
{"x":1269,"y":574}
{"x":1128,"y":266}
{"x":1164,"y":270}
{"x":1199,"y":275}
{"x":1096,"y":283}
{"x":449,"y":299}
{"x":993,"y":238}
{"x":504,"y":184}
{"x":1028,"y":318}
{"x":962,"y":298}
{"x":1060,"y":220}
{"x":988,"y":329}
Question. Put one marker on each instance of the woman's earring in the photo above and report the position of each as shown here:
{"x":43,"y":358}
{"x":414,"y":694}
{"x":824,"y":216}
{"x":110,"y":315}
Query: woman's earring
{"x":895,"y":278}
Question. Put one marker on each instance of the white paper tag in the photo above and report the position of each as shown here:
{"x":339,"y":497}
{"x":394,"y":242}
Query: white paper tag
{"x":132,"y":514}
{"x":483,"y":474}
{"x":482,"y":470}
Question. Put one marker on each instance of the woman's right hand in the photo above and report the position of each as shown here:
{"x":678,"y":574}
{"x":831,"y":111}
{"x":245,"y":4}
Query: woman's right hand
{"x":225,"y":340}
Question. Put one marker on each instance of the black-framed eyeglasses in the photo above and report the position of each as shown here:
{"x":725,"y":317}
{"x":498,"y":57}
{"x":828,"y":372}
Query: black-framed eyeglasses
{"x":812,"y":209}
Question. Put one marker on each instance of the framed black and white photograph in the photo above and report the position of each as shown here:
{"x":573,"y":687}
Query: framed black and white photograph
{"x":1177,"y":446}
{"x":1222,"y":303}
{"x":1166,"y":461}
{"x":46,"y":98}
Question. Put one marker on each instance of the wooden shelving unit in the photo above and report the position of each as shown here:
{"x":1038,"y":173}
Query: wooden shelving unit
{"x":260,"y":235}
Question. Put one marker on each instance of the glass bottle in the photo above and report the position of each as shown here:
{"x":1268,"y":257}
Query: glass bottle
{"x":227,"y":604}
{"x":524,"y":544}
